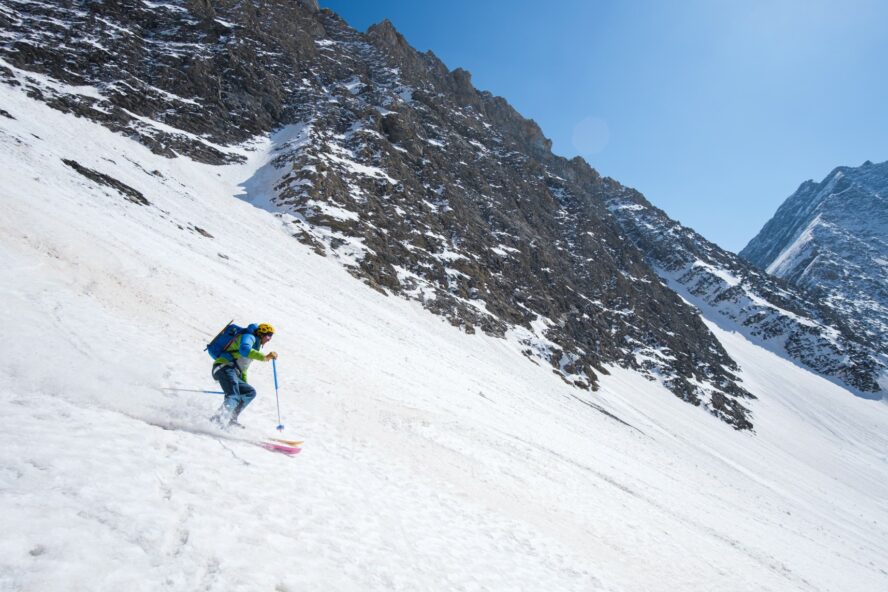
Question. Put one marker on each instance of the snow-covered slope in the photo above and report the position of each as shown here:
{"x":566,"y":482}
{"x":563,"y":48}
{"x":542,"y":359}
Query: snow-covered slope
{"x":831,"y":239}
{"x":435,"y":460}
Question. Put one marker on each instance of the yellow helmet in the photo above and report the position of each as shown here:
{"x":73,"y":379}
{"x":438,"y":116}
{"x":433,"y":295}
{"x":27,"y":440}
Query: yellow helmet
{"x":265,"y":329}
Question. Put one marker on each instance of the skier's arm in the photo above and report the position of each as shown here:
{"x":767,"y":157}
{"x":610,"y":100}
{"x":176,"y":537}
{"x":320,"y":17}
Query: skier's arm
{"x":245,"y":350}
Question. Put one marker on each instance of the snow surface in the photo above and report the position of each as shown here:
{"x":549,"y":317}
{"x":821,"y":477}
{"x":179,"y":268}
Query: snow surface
{"x":434,"y":460}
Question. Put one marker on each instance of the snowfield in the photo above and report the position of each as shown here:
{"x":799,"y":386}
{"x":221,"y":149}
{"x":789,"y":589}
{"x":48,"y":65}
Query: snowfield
{"x":434,"y":460}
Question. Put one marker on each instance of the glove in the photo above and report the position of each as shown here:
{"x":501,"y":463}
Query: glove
{"x":271,"y":356}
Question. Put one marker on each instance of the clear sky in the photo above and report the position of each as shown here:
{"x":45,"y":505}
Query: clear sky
{"x":716,"y":110}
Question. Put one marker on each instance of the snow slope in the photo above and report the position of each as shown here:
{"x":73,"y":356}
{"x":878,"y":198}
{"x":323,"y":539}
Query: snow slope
{"x":434,"y":460}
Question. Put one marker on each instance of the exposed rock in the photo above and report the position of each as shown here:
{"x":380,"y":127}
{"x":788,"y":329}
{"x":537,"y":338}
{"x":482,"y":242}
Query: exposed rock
{"x":130,"y":194}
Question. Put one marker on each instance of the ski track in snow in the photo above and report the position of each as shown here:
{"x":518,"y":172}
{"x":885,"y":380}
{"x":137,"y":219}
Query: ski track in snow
{"x":433,"y":460}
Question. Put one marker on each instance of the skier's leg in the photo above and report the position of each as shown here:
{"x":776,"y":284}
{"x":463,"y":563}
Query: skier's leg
{"x":246,"y":395}
{"x":231,"y":385}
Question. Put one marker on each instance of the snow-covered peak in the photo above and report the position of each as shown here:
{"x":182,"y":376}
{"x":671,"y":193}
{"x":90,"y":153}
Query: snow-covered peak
{"x":830,"y":239}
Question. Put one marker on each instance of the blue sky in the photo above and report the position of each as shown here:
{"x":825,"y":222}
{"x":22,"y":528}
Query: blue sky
{"x":715,"y":110}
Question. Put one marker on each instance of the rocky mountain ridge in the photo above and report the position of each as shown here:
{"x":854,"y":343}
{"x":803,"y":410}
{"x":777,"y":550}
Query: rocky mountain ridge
{"x":422,"y":185}
{"x":742,"y":298}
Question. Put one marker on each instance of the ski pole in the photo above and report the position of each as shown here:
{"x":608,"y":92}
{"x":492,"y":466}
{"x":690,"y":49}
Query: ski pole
{"x":183,"y":390}
{"x":277,"y":398}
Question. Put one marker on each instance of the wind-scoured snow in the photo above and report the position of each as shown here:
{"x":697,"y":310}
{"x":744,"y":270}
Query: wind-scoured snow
{"x":434,"y":460}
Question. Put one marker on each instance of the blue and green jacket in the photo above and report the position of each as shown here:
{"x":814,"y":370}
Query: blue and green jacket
{"x":242,"y":351}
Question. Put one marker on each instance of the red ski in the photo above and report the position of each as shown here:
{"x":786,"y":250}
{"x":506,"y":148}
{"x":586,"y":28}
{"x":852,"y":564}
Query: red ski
{"x":281,"y":448}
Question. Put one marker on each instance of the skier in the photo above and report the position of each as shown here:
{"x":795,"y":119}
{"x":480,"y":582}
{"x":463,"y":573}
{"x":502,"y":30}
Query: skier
{"x":230,"y":371}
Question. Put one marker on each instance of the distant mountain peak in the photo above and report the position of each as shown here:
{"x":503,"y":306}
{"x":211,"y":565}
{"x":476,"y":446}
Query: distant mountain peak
{"x":830,"y":239}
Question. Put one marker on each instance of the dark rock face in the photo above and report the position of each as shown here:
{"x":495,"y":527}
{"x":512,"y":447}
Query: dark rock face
{"x":762,"y":307}
{"x":422,"y":185}
{"x":178,"y":64}
{"x":830,"y":239}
